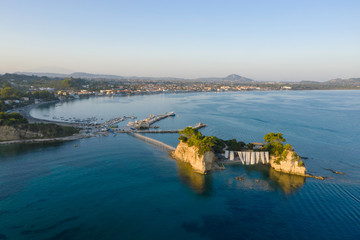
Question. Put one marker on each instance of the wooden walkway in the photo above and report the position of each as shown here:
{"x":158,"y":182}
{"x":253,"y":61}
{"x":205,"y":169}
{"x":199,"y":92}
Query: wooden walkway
{"x":197,"y":126}
{"x":153,"y":141}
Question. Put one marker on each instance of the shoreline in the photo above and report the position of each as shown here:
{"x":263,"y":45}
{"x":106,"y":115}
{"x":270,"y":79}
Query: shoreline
{"x":25,"y":111}
{"x":45,"y":140}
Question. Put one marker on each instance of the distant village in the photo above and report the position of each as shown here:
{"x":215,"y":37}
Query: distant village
{"x":25,"y":90}
{"x":153,"y":89}
{"x":17,"y":90}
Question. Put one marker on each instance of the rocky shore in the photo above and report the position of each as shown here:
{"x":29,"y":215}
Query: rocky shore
{"x":200,"y":163}
{"x":30,"y":133}
{"x":290,"y":163}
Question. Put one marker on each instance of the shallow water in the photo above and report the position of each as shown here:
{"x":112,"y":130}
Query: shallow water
{"x":122,"y":188}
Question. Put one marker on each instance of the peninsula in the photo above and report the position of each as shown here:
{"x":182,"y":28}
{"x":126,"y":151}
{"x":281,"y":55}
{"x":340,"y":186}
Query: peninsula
{"x":14,"y":128}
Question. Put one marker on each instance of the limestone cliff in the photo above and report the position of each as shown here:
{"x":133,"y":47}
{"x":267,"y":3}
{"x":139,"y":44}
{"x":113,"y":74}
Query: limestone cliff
{"x":200,"y":163}
{"x":289,"y":162}
{"x":8,"y":133}
{"x":35,"y":131}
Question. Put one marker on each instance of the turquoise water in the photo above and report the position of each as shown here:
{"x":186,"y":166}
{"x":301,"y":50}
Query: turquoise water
{"x":122,"y":188}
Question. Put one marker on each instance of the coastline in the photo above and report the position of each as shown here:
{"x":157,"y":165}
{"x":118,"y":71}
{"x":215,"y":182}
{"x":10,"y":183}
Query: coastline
{"x":25,"y":111}
{"x":46,"y":140}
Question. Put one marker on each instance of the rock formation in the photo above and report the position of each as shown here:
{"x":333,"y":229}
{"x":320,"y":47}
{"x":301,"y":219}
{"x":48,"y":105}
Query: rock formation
{"x":288,"y":162}
{"x":200,"y":163}
{"x":35,"y":131}
{"x":8,"y":133}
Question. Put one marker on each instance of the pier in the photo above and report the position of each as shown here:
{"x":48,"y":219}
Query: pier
{"x":196,"y":126}
{"x":147,"y":122}
{"x":136,"y":133}
{"x":153,"y":141}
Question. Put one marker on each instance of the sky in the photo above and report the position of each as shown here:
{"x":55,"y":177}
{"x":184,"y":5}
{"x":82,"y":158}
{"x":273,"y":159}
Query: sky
{"x":266,"y":40}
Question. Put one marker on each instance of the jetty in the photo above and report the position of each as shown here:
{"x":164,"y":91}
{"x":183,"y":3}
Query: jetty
{"x":196,"y":126}
{"x":147,"y":122}
{"x":153,"y":141}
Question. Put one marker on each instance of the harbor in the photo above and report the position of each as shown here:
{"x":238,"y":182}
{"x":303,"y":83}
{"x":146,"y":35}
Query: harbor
{"x":93,"y":126}
{"x":140,"y":126}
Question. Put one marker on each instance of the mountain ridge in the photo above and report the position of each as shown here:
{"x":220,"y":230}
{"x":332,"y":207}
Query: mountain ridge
{"x":231,"y":77}
{"x":234,"y":78}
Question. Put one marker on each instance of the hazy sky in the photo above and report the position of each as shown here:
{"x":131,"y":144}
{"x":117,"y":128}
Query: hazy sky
{"x":264,"y":40}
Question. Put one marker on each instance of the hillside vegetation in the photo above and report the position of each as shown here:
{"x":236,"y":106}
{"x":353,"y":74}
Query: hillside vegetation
{"x":14,"y":126}
{"x":275,"y":145}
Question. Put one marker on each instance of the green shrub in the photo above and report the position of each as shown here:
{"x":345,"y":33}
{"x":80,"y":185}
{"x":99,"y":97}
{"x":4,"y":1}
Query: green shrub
{"x":194,"y":138}
{"x":250,"y":146}
{"x":183,"y":139}
{"x":301,"y":164}
{"x":11,"y":119}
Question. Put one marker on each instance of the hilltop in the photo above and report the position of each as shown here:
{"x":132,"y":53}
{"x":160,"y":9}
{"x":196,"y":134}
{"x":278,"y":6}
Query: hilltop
{"x":340,"y":81}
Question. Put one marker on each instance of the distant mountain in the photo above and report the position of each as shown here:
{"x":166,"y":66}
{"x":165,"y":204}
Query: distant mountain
{"x":234,"y":77}
{"x":304,"y":82}
{"x":74,"y":75}
{"x":40,"y":74}
{"x":340,"y":81}
{"x":230,"y":78}
{"x":94,"y":76}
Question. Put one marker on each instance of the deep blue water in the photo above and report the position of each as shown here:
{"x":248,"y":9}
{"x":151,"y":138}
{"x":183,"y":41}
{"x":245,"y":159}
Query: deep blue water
{"x":122,"y":188}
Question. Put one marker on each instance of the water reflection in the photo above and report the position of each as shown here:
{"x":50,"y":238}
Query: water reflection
{"x":199,"y":183}
{"x":289,"y":183}
{"x":260,"y":178}
{"x":265,"y":178}
{"x":10,"y":150}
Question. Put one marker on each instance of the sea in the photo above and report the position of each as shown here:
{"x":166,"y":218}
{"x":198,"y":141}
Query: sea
{"x":119,"y":187}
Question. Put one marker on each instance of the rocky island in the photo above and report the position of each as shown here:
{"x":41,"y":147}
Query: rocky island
{"x":197,"y":150}
{"x":201,"y":163}
{"x":283,"y":158}
{"x":205,"y":153}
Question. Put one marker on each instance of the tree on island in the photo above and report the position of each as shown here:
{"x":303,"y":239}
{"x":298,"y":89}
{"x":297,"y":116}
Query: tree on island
{"x":274,"y":137}
{"x":275,"y":145}
{"x":193,"y":137}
